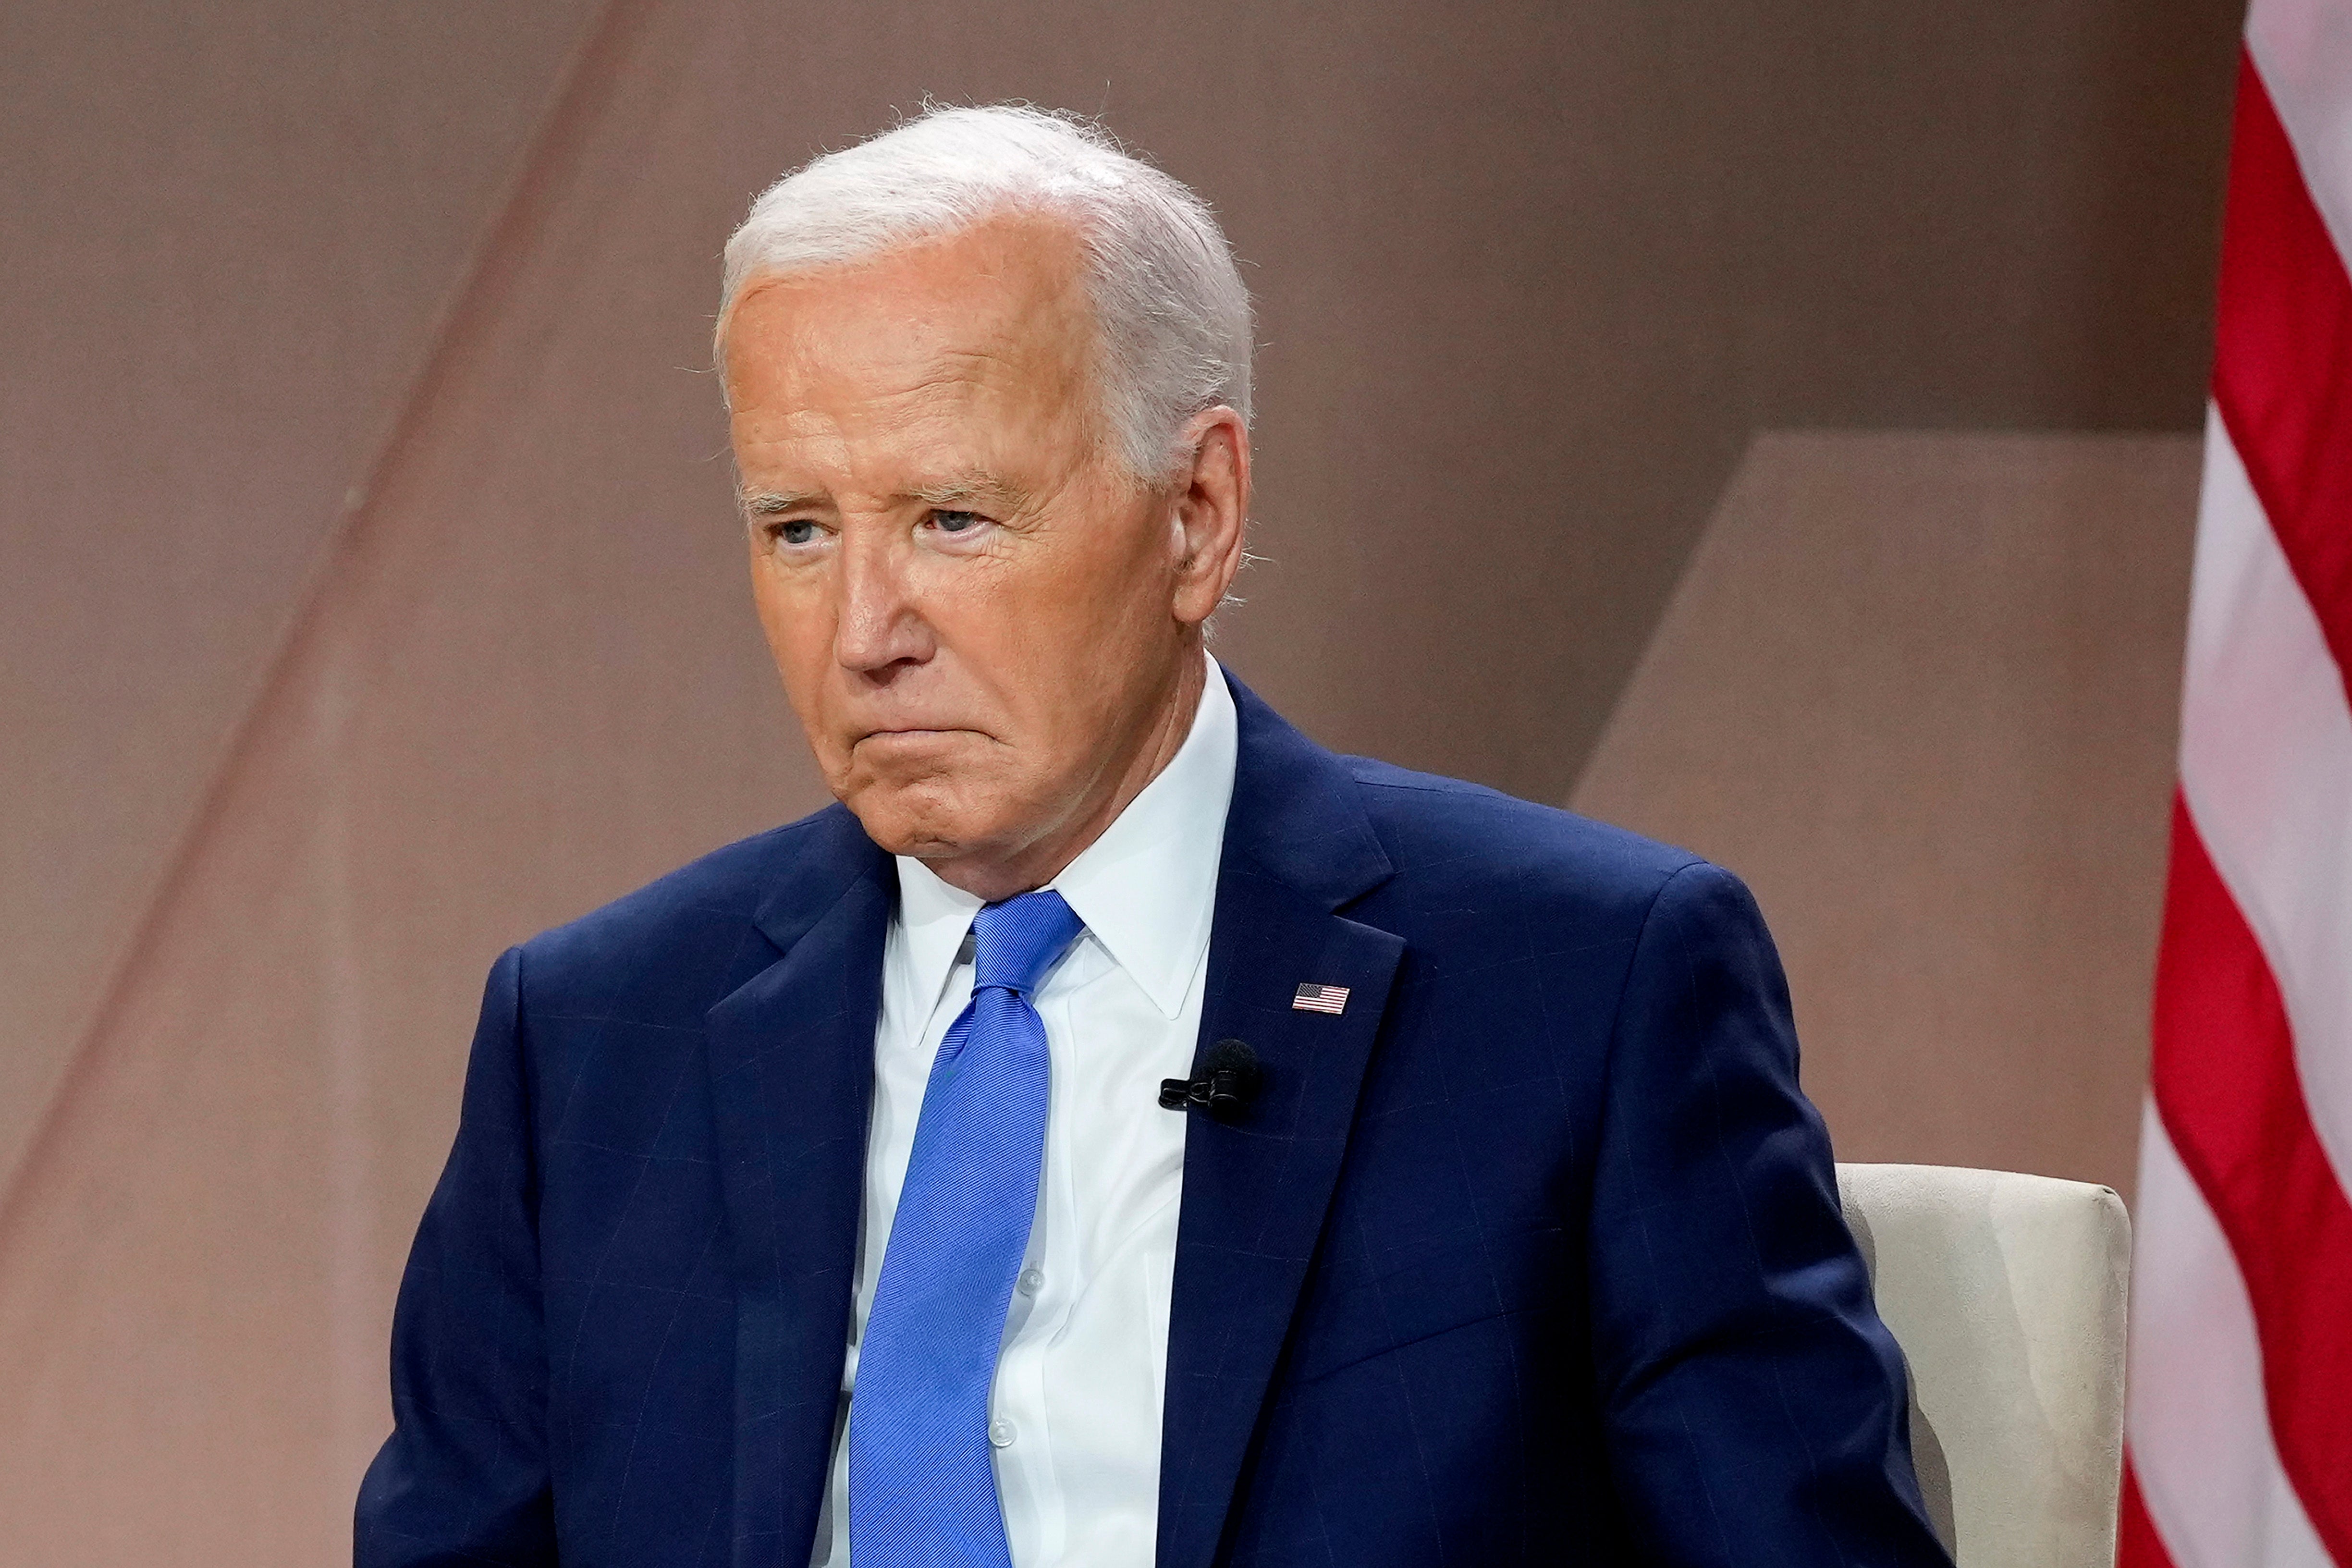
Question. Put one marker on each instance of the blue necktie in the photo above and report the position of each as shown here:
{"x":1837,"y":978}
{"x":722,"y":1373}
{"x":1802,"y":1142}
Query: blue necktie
{"x":923,"y":1489}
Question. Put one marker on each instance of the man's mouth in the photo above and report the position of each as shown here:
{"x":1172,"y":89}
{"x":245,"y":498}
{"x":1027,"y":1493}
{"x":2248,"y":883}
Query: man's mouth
{"x":912,"y":734}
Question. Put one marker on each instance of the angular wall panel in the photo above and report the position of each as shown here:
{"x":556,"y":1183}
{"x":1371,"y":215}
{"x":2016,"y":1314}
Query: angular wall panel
{"x":227,"y":233}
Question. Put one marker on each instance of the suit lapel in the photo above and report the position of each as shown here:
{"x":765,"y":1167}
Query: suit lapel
{"x":792,"y":1068}
{"x":1297,"y":846}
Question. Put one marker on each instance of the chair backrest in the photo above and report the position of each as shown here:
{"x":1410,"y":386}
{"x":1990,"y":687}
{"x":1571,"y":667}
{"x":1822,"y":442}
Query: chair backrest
{"x":2006,"y":1293}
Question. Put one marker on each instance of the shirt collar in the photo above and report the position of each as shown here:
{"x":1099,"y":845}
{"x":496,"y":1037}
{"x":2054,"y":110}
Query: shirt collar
{"x":1147,"y":888}
{"x":933,"y":918}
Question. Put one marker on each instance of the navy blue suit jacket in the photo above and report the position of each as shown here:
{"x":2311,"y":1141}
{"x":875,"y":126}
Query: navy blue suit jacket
{"x":1531,"y":1256}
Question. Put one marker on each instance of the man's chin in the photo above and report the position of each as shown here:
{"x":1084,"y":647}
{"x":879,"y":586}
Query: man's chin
{"x":913,"y":819}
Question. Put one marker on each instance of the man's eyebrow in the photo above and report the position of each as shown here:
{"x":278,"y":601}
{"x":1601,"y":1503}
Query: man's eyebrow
{"x":963,"y":489}
{"x":773,"y":503}
{"x":960,"y":490}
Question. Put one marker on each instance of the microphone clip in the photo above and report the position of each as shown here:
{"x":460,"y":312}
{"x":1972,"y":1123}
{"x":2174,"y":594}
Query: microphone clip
{"x":1227,"y":1082}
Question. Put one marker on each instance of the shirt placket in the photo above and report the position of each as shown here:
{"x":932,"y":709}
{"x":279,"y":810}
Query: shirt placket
{"x":1055,"y":1257}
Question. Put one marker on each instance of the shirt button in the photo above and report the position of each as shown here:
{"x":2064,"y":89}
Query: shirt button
{"x":1000,"y":1432}
{"x":1031,"y":1280}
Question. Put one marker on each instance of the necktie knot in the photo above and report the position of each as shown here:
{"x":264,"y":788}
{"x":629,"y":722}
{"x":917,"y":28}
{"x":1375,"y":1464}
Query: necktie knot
{"x":1014,"y":942}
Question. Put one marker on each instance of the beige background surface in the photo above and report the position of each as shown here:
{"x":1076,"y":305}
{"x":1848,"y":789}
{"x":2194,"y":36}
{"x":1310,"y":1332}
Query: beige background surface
{"x":1918,"y":690}
{"x":227,"y":233}
{"x":368,"y":597}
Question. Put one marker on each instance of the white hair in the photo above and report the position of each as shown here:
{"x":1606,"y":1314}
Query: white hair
{"x":1171,"y":315}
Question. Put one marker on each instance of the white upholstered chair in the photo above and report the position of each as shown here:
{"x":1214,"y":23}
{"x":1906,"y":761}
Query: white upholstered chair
{"x":2006,"y":1293}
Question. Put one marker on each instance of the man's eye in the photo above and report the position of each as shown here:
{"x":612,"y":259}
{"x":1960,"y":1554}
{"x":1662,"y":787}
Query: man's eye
{"x":798,"y":531}
{"x":957,"y":522}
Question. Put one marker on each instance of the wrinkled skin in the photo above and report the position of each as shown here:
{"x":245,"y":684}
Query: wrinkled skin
{"x":990,"y":630}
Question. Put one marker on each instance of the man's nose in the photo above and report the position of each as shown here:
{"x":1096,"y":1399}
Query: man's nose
{"x":879,"y":625}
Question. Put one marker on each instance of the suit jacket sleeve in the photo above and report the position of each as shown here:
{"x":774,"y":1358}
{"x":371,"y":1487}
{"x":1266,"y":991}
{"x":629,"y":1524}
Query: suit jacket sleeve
{"x":1755,"y":1406}
{"x":464,"y":1477}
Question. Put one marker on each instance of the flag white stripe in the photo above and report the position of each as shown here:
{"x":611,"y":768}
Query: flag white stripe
{"x":2303,"y":48}
{"x":2198,"y":1427}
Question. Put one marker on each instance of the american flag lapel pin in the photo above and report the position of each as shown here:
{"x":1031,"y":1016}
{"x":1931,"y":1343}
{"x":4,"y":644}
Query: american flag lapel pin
{"x":1331,"y":999}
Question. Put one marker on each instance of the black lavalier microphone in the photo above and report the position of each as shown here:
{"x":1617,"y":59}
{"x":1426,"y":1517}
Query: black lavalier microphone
{"x":1227,"y":1083}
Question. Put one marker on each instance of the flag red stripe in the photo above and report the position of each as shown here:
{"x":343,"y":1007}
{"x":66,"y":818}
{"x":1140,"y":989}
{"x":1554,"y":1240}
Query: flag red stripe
{"x":2226,"y":1086}
{"x":2137,"y":1545}
{"x":2282,"y":358}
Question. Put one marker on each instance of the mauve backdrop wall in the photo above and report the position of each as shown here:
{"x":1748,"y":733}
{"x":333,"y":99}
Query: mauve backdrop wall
{"x":369,"y":597}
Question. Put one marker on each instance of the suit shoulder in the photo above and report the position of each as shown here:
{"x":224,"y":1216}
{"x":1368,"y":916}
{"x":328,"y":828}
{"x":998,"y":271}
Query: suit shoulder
{"x":1479,"y":843}
{"x":690,"y":919}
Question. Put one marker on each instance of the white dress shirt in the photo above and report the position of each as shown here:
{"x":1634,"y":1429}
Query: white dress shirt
{"x":1075,"y":1412}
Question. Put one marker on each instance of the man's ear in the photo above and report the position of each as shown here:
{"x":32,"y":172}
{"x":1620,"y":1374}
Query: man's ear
{"x":1211,"y":513}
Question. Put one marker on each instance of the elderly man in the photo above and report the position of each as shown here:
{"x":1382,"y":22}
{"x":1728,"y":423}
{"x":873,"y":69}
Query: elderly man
{"x":1119,"y":1131}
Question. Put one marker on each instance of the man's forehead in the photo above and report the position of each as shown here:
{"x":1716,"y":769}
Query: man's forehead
{"x":932,"y":375}
{"x":923,"y":393}
{"x":937,"y":433}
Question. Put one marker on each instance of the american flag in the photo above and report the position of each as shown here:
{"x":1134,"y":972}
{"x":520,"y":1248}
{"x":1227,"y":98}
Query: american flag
{"x":2239,"y":1416}
{"x":1320,"y":999}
